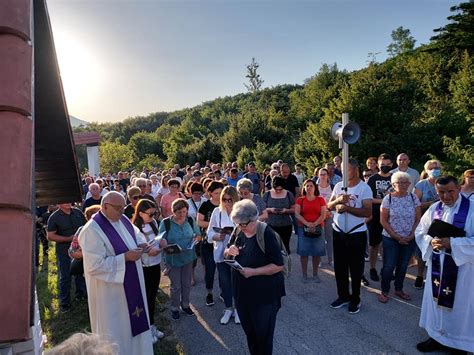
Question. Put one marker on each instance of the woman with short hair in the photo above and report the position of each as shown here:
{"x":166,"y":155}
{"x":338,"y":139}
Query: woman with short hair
{"x":179,"y":266}
{"x":400,"y":213}
{"x":244,"y":187}
{"x":259,"y":285}
{"x":167,"y":199}
{"x":220,"y":220}
{"x":467,"y":188}
{"x":134,"y":194}
{"x":280,"y":205}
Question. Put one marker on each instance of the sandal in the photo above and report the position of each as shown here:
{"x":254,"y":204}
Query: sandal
{"x":403,"y":295}
{"x":382,"y":297}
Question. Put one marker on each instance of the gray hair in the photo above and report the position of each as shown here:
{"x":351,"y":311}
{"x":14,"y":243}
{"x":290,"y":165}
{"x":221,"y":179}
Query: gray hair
{"x":140,"y":180}
{"x":244,"y":184}
{"x":400,"y":175}
{"x":244,"y":211}
{"x":111,"y":196}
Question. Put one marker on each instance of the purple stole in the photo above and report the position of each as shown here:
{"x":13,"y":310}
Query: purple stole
{"x":444,"y":285}
{"x":133,"y":293}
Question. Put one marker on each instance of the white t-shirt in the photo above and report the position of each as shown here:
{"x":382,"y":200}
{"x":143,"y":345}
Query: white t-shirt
{"x":357,"y":193}
{"x":149,"y":235}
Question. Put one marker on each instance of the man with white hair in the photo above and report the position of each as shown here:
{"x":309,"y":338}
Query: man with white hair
{"x":114,"y":277}
{"x":95,"y":198}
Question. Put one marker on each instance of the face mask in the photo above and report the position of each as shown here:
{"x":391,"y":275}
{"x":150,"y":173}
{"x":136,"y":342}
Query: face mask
{"x":434,"y":173}
{"x":385,"y":169}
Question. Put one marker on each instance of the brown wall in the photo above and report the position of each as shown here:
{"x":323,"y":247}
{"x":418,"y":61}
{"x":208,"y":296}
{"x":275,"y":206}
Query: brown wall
{"x":16,"y":159}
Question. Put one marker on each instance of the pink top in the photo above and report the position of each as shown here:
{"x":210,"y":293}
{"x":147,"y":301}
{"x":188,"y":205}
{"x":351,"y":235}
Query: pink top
{"x":166,"y":202}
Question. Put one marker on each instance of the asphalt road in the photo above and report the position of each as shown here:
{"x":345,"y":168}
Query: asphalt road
{"x":306,"y":324}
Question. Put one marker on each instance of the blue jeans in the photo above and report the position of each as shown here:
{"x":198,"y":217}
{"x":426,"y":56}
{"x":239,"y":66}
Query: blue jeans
{"x":225,"y":282}
{"x":64,"y":278}
{"x":395,"y":257}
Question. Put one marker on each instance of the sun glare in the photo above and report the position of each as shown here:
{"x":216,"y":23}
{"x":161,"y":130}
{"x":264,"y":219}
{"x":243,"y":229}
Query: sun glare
{"x":80,"y":69}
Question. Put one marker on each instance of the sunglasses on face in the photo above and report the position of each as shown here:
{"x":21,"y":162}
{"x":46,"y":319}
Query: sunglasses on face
{"x":244,"y":225}
{"x":135,"y":198}
{"x":227,"y":200}
{"x":151,"y":214}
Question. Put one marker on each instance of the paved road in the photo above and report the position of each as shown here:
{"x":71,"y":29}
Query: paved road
{"x":306,"y":324}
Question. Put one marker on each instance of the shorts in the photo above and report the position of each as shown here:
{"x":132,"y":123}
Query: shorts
{"x":375,"y":233}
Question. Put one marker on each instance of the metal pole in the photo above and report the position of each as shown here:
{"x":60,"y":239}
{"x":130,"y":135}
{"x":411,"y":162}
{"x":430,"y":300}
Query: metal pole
{"x":345,"y":164}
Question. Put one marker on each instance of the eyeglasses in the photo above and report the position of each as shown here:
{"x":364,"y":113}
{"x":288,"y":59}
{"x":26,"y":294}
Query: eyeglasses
{"x":227,"y":200}
{"x":118,"y":208}
{"x":151,"y":214}
{"x":244,"y":225}
{"x":135,"y":198}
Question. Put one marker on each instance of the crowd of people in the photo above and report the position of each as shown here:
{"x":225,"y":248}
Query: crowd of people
{"x":142,"y":224}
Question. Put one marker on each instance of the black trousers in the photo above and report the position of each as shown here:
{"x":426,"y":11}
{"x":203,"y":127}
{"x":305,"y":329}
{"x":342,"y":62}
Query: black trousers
{"x":258,"y":323}
{"x":207,"y":257}
{"x":152,"y":275}
{"x":285,"y":234}
{"x":349,"y":252}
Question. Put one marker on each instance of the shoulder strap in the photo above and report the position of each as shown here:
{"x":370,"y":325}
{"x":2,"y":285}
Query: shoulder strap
{"x":191,"y":221}
{"x":167,"y":223}
{"x":220,"y":218}
{"x":261,"y":226}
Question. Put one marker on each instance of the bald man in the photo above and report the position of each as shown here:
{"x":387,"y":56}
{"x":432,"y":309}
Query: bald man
{"x":114,"y":277}
{"x":403,"y":161}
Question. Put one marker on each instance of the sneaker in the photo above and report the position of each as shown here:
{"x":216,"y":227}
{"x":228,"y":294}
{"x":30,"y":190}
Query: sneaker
{"x":156,"y":333}
{"x":373,"y":275}
{"x":339,"y":303}
{"x":226,"y":317}
{"x":364,"y":281}
{"x":188,"y":311}
{"x":354,"y":307}
{"x":236,"y":317}
{"x":418,"y":283}
{"x":209,"y":300}
{"x":175,"y":315}
{"x":316,"y":279}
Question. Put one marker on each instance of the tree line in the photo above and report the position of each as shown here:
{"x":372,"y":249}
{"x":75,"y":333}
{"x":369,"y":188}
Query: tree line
{"x":419,"y":101}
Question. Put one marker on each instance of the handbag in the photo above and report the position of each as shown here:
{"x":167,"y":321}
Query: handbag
{"x":313,"y":232}
{"x":76,"y":268}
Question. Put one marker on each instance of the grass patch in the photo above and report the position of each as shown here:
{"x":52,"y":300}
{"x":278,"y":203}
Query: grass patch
{"x":58,"y":326}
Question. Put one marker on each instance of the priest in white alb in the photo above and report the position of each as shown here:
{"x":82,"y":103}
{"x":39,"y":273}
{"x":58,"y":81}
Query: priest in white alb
{"x":447,"y":312}
{"x":114,"y":278}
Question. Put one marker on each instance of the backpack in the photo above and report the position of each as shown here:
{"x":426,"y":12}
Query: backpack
{"x":261,"y":226}
{"x":167,"y":222}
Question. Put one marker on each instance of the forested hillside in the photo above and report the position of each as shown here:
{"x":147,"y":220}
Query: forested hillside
{"x":420,"y":101}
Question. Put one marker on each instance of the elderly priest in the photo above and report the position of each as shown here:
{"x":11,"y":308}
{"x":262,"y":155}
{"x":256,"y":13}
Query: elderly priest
{"x":114,"y":278}
{"x":447,"y":311}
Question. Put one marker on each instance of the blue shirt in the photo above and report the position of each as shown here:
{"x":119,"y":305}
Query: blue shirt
{"x":182,"y":235}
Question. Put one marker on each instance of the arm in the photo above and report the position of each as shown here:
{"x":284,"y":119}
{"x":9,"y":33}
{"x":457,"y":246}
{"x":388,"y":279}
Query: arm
{"x":263,"y":216}
{"x":53,"y":237}
{"x":364,"y":211}
{"x":384,"y":214}
{"x":266,"y":270}
{"x":322,"y":215}
{"x":211,"y":234}
{"x":201,"y":222}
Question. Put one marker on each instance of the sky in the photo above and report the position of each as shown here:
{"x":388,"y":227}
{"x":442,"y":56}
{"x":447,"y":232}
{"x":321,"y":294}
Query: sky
{"x":122,"y":59}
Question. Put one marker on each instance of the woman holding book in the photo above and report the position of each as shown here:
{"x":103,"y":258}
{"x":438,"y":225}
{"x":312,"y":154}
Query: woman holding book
{"x":218,"y":233}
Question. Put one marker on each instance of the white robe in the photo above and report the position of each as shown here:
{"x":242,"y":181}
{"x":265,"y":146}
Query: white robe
{"x":104,"y":272}
{"x":453,"y":328}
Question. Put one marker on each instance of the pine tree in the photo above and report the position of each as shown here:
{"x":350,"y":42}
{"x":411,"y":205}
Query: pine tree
{"x":255,"y":82}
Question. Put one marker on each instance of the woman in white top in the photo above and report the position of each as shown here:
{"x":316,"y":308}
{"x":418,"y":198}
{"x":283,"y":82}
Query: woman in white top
{"x":325,"y":191}
{"x":145,"y":211}
{"x":220,"y":219}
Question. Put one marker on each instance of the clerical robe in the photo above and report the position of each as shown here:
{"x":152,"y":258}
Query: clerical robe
{"x":451,"y":327}
{"x":104,"y":272}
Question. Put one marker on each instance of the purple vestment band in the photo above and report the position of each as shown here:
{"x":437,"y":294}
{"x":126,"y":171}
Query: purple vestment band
{"x":133,"y":292}
{"x":444,"y":285}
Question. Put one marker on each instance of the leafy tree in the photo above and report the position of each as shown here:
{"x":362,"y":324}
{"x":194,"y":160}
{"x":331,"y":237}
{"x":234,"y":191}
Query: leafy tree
{"x":255,"y":82}
{"x":244,"y":156}
{"x":115,"y":156}
{"x":145,"y":143}
{"x":402,"y":42}
{"x":459,"y":33}
{"x":150,"y":161}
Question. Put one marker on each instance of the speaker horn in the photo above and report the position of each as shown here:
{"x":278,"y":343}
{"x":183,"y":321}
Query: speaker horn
{"x":336,"y":130}
{"x":351,"y":133}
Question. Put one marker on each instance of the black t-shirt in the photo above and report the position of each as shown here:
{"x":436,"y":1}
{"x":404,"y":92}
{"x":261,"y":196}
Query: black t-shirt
{"x":65,"y":225}
{"x":380,"y":187}
{"x":258,"y":289}
{"x":124,"y":183}
{"x":206,"y":210}
{"x":291,"y":183}
{"x":91,"y":202}
{"x":129,"y":211}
